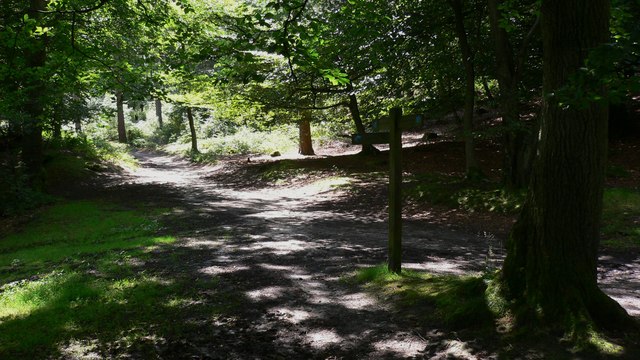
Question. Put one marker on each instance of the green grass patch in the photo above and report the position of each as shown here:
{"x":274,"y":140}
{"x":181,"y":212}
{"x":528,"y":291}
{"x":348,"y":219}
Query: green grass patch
{"x":617,"y":171}
{"x":468,"y":195}
{"x":40,"y":319}
{"x":65,"y":292}
{"x":457,"y":302}
{"x":69,"y":230}
{"x":621,"y":218}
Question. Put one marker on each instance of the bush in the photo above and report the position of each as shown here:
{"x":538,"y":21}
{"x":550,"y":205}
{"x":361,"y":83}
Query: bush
{"x":15,"y":194}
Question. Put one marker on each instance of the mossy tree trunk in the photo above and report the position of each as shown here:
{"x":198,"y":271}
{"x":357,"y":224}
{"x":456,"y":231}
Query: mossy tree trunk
{"x":552,"y":250}
{"x":192,"y":129}
{"x":305,"y":143}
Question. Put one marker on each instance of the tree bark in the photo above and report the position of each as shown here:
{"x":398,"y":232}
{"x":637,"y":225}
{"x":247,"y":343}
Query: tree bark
{"x":305,"y":144}
{"x":192,"y":129}
{"x":78,"y":125}
{"x":122,"y":131}
{"x":32,"y":149}
{"x":552,"y":250}
{"x":354,"y":109}
{"x":517,"y":151}
{"x":56,"y":122}
{"x":159,"y":112}
{"x":471,"y":165}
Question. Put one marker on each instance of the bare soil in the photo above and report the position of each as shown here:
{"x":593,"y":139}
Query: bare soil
{"x":280,"y":251}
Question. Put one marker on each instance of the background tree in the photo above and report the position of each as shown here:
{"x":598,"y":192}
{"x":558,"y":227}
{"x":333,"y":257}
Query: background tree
{"x":510,"y":66}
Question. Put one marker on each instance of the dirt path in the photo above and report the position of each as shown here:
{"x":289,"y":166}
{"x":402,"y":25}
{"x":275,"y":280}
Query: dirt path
{"x":285,"y":250}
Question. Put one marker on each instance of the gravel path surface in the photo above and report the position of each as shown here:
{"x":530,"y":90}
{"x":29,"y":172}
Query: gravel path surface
{"x":286,"y":249}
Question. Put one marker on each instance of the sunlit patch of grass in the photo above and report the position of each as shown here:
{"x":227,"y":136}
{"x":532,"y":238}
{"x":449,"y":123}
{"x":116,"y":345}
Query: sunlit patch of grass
{"x":77,"y":297}
{"x":621,"y":218}
{"x":36,"y":315}
{"x":112,"y":306}
{"x":331,"y":183}
{"x":68,"y":230}
{"x":458,"y":302}
{"x":602,"y":345}
{"x":116,"y":153}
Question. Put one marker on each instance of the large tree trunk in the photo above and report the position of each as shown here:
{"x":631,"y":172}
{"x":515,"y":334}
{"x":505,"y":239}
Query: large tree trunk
{"x":192,"y":128}
{"x":122,"y":131}
{"x":32,"y":152}
{"x":159,"y":112}
{"x":552,"y":251}
{"x":354,"y":109}
{"x":305,"y":144}
{"x":517,"y":151}
{"x":471,"y":166}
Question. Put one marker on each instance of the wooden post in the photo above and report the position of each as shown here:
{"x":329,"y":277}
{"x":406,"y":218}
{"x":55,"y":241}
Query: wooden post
{"x":395,"y":194}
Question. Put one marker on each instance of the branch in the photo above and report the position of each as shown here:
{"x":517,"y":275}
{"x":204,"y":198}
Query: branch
{"x":523,"y":48}
{"x":81,"y":11}
{"x":290,"y":19}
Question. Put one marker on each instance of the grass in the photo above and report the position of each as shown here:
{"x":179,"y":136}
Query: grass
{"x":456,"y":302}
{"x":70,"y":229}
{"x":621,"y":218}
{"x":57,"y":296}
{"x":63,"y":280}
{"x":65,"y":292}
{"x":620,"y":215}
{"x":475,"y":306}
{"x":458,"y":193}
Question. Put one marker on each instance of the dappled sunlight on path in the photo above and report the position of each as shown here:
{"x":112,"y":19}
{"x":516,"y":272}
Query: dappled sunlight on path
{"x":285,"y":251}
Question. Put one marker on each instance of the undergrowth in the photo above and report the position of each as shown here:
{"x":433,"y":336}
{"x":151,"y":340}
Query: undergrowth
{"x":468,"y":195}
{"x":243,"y":142}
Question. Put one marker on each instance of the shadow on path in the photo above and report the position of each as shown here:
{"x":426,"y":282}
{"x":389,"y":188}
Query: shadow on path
{"x":279,"y":255}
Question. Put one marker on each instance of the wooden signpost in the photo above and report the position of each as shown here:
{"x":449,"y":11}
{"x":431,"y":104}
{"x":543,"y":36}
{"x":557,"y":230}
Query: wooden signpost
{"x":394,"y":124}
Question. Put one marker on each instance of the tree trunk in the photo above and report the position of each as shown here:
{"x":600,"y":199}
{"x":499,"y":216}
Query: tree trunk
{"x":354,"y":109}
{"x":552,"y":250}
{"x":192,"y":128}
{"x":56,"y":125}
{"x":159,"y":112}
{"x":78,"y":125}
{"x":122,"y":131}
{"x":305,"y":144}
{"x":471,"y":167}
{"x":32,"y":151}
{"x":517,"y":151}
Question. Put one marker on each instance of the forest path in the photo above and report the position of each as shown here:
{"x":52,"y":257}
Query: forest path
{"x":283,"y":252}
